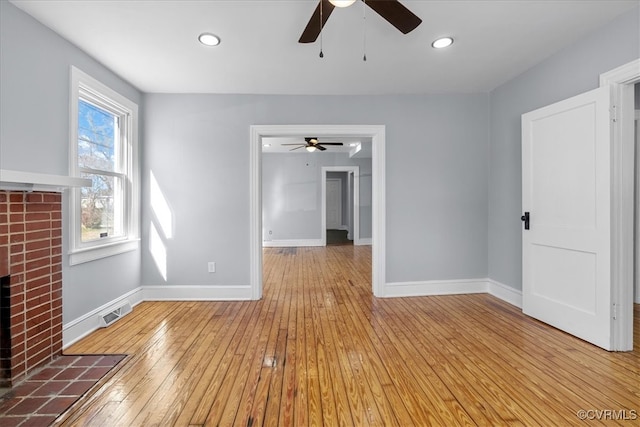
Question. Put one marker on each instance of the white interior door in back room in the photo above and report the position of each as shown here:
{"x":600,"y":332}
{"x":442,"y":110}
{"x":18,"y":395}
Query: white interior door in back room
{"x":334,"y":204}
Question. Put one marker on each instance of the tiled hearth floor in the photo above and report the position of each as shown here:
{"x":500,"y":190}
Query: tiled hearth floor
{"x":40,"y":399}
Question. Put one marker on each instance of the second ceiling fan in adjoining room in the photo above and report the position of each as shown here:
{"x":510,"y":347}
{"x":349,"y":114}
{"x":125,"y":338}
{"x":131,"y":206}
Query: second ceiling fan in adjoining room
{"x":312,"y":144}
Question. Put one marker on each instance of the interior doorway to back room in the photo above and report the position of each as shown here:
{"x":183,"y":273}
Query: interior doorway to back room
{"x":339,"y":216}
{"x":292,"y":199}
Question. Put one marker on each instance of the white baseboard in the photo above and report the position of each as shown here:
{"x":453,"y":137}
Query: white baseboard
{"x":294,"y":243}
{"x":197,"y":293}
{"x":363,"y":242}
{"x":452,"y":287}
{"x":435,"y":287}
{"x":82,"y":326}
{"x":505,"y":292}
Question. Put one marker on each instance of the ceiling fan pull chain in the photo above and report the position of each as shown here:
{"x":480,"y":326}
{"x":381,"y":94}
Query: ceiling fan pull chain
{"x":321,"y":54}
{"x":364,"y":30}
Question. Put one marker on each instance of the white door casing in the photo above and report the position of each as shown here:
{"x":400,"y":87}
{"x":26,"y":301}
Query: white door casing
{"x":566,"y":187}
{"x":637,"y":209}
{"x":620,"y":82}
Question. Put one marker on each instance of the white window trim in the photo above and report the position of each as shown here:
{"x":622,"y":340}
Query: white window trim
{"x":79,"y":252}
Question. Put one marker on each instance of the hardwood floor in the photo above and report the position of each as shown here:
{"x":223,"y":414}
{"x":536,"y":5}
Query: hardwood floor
{"x":319,"y":349}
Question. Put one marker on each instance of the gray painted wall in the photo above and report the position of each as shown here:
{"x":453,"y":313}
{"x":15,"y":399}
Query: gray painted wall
{"x":34,"y":137}
{"x":292,"y":193}
{"x":198,"y":149}
{"x":452,"y":192}
{"x":574,"y":70}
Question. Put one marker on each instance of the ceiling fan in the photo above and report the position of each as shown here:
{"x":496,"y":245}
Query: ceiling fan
{"x":312,"y":144}
{"x":391,"y":10}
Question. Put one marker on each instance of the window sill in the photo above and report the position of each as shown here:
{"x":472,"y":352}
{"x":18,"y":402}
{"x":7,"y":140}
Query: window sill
{"x":91,"y":254}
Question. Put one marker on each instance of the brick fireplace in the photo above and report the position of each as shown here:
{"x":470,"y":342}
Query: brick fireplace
{"x":30,"y":282}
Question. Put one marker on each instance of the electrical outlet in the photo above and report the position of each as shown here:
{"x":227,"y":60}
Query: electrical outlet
{"x":212,"y":267}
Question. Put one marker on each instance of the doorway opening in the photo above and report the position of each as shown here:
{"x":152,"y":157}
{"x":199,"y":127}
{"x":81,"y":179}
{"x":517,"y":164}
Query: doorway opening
{"x":373,"y":133}
{"x":346,"y":205}
{"x":338,"y":223}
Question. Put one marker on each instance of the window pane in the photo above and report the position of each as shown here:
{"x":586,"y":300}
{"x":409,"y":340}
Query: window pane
{"x":97,"y":137}
{"x":102,"y":208}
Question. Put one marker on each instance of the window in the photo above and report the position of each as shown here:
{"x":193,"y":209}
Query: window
{"x":104,"y":217}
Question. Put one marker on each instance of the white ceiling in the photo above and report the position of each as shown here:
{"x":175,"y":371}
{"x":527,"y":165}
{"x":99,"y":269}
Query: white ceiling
{"x":152,"y":44}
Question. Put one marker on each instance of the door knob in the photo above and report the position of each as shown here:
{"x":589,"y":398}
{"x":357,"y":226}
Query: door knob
{"x":525,"y":218}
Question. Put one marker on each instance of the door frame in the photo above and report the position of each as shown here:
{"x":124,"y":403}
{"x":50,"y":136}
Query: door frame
{"x":378,"y":202}
{"x":355,"y":208}
{"x":637,"y":208}
{"x":621,"y":82}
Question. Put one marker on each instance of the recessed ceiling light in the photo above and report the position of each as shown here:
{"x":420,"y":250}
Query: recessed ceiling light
{"x":442,"y":42}
{"x":209,"y":39}
{"x":266,"y":145}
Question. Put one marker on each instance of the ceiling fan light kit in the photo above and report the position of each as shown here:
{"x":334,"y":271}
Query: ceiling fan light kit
{"x":342,"y":3}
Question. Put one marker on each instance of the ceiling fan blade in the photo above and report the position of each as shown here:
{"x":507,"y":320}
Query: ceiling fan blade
{"x":319,"y":147}
{"x":302,"y":145}
{"x":297,"y":148}
{"x":329,"y":143}
{"x":312,"y":30}
{"x":396,"y":14}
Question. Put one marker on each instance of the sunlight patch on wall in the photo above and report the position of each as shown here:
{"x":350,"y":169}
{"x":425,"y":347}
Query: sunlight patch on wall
{"x":160,"y":207}
{"x":158,"y":251}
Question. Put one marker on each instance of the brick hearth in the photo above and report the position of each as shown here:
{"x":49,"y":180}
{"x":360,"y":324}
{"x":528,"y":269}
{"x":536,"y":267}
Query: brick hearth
{"x":31,"y":249}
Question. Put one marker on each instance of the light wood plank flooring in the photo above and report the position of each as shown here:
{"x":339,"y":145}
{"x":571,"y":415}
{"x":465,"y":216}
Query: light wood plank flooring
{"x":319,"y":349}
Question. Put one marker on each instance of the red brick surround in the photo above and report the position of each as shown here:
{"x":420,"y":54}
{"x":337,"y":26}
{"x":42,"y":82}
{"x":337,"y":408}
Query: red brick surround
{"x":31,"y":234}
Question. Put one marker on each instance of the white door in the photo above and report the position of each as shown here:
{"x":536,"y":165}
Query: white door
{"x":566,"y":191}
{"x":334,"y":204}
